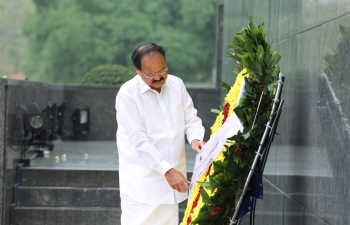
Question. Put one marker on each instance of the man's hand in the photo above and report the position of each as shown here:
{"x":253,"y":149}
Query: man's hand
{"x":177,"y":180}
{"x":197,"y":145}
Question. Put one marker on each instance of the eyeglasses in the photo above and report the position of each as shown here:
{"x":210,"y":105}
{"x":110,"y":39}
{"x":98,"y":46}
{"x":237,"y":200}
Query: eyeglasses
{"x":160,"y":72}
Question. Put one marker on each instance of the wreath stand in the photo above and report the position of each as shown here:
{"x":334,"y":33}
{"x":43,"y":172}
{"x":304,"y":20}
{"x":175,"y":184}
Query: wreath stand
{"x":253,"y":188}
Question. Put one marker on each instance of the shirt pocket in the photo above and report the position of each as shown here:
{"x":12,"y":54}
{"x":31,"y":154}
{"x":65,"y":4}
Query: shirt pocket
{"x":177,"y":113}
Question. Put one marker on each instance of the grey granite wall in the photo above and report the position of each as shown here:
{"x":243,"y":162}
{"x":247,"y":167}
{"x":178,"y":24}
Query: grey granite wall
{"x":17,"y":98}
{"x":307,"y":174}
{"x":101,"y":100}
{"x":205,"y":99}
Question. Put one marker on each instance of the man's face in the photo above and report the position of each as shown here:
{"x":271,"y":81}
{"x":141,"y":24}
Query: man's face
{"x":152,"y":64}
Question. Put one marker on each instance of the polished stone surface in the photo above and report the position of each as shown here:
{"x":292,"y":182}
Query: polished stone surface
{"x":308,"y":168}
{"x":67,"y":215}
{"x":25,"y":97}
{"x":9,"y":191}
{"x":68,"y":196}
{"x":2,"y":146}
{"x":88,"y":156}
{"x":101,"y":102}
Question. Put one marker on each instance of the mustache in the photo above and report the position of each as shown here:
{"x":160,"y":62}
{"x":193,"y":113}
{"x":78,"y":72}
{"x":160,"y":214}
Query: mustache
{"x":155,"y":81}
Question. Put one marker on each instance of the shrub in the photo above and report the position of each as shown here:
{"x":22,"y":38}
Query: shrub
{"x":109,"y":74}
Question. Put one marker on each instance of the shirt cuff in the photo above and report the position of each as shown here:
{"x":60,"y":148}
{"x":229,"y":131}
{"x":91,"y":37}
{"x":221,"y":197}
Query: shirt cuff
{"x":193,"y":137}
{"x":164,"y":166}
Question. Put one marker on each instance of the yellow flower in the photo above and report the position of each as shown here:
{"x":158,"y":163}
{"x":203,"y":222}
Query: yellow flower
{"x":231,"y":98}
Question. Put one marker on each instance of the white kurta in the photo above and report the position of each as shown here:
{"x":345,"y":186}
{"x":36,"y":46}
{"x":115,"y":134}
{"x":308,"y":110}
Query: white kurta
{"x":151,"y":138}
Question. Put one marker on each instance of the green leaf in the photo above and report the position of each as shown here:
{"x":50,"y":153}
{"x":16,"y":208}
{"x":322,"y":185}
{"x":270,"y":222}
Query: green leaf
{"x":203,"y":218}
{"x":237,"y":160}
{"x":225,"y":85}
{"x":214,"y":184}
{"x":242,"y":164}
{"x":215,"y":111}
{"x":249,"y":46}
{"x":275,"y":58}
{"x":205,"y":197}
{"x":218,"y":166}
{"x":246,"y":135}
{"x":206,"y":185}
{"x":270,"y":86}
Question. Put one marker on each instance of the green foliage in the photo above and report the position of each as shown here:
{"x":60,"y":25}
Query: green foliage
{"x":13,"y":44}
{"x":225,"y":85}
{"x":108,"y":75}
{"x":249,"y":48}
{"x":70,"y":37}
{"x":251,"y":51}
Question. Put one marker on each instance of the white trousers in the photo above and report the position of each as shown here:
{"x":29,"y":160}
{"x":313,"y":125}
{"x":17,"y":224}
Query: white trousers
{"x":134,"y":213}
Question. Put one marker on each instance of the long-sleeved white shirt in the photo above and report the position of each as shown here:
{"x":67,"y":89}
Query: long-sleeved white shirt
{"x":151,"y":138}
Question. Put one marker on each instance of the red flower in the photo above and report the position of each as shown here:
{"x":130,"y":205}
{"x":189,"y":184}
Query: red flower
{"x":225,"y":112}
{"x":189,"y":220}
{"x":238,"y":149}
{"x":197,"y":199}
{"x":261,"y":88}
{"x":195,"y":202}
{"x":215,"y":211}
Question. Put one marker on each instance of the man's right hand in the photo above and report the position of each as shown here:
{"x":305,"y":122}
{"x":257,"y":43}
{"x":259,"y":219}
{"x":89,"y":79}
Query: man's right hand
{"x":197,"y":145}
{"x":177,"y":180}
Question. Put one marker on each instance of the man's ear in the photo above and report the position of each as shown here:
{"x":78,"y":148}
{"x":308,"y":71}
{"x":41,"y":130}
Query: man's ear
{"x":136,"y":70}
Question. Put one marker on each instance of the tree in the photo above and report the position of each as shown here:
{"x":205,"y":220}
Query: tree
{"x":13,"y":44}
{"x":69,"y":37}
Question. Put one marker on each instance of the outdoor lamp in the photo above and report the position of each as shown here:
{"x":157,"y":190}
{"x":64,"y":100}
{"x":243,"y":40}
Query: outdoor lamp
{"x":35,"y":122}
{"x":81,"y":119}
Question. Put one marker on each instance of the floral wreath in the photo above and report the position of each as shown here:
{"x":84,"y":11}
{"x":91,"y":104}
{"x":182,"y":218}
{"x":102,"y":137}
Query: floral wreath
{"x":217,"y":191}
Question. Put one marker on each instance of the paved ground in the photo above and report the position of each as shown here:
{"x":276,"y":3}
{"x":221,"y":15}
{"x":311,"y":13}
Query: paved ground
{"x":89,"y":155}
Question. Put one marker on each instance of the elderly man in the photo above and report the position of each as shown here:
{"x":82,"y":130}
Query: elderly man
{"x":154,"y":112}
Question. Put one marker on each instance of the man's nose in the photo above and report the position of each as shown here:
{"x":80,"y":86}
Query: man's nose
{"x":157,"y":76}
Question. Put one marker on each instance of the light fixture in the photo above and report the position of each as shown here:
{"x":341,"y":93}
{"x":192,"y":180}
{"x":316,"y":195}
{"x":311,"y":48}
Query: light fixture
{"x":35,"y":122}
{"x":41,"y":129}
{"x":81,"y":119}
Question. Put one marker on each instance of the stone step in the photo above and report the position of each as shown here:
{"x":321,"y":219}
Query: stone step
{"x":68,"y":196}
{"x":70,"y":178}
{"x":71,"y":196}
{"x":25,"y":215}
{"x":69,"y":215}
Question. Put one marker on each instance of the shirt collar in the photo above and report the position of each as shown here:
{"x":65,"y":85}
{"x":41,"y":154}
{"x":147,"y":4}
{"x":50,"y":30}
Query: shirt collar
{"x":143,"y":86}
